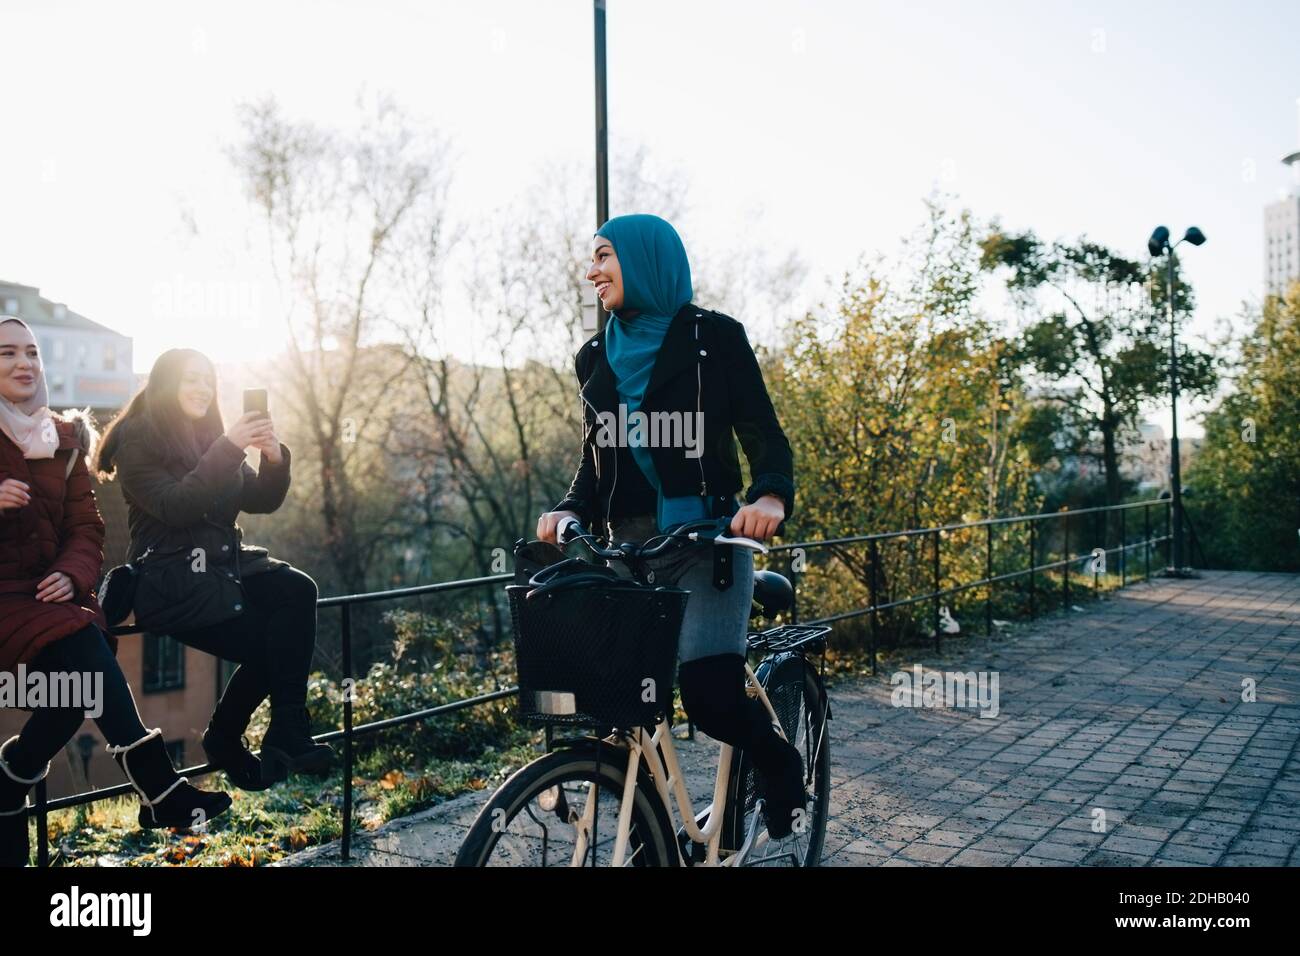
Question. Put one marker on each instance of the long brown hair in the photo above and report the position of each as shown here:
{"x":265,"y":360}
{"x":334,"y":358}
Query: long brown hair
{"x":154,"y":415}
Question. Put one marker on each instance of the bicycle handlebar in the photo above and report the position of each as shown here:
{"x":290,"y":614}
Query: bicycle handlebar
{"x":690,"y":532}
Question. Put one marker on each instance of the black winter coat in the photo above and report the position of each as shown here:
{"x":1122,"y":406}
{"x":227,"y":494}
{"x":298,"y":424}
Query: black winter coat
{"x":705,"y":364}
{"x":173,"y":507}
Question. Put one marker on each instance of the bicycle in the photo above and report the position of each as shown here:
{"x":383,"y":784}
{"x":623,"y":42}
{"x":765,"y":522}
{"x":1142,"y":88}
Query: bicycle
{"x":552,"y":808}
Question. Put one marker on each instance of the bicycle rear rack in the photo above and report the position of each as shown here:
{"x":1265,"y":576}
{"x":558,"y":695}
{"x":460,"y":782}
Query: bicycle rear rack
{"x":789,"y":637}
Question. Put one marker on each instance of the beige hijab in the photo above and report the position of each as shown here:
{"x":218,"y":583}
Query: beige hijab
{"x":30,"y":424}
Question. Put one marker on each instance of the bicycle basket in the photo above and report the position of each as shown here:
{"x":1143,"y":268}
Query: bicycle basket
{"x":603,"y":654}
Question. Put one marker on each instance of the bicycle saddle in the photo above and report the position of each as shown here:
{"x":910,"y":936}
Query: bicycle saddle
{"x":773,"y":593}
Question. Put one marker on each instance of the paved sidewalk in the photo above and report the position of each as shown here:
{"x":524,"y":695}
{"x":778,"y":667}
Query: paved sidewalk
{"x":1129,"y":713}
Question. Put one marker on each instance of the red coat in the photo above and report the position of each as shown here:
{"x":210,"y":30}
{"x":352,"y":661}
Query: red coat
{"x":59,"y":530}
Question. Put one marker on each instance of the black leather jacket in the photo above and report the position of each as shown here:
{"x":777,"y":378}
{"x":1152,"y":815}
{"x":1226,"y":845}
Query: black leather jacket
{"x":706,"y":366}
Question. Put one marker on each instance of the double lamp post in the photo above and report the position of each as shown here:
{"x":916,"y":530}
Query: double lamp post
{"x":1157,"y":245}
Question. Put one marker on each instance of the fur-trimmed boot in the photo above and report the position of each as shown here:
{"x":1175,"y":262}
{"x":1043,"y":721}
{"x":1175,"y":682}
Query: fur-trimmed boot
{"x":14,"y":847}
{"x":166,"y":798}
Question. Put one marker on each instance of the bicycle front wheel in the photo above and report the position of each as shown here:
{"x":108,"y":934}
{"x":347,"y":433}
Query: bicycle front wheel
{"x":562,"y":810}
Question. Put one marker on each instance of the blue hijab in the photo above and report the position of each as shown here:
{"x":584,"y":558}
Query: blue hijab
{"x":656,"y":284}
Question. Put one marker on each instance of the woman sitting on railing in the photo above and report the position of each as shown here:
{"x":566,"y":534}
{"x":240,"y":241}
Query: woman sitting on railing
{"x":51,"y":550}
{"x":185,"y":482}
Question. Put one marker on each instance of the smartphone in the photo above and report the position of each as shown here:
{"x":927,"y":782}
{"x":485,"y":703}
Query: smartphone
{"x":255,"y":400}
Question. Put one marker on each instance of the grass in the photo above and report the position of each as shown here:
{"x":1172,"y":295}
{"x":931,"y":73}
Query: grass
{"x":267,"y":826}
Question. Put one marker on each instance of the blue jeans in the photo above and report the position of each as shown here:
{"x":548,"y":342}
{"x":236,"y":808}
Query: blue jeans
{"x":711,"y":653}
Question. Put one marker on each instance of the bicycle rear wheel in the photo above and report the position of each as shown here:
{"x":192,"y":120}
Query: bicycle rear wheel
{"x":548,"y":811}
{"x":793,"y":687}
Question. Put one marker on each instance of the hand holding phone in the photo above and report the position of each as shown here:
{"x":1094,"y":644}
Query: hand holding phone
{"x":268,"y":442}
{"x":250,"y":430}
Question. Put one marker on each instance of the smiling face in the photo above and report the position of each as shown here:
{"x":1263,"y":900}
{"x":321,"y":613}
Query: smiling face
{"x":605,"y":274}
{"x":197,"y":389}
{"x":20,"y":363}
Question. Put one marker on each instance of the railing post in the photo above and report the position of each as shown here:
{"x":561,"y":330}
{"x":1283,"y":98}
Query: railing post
{"x":875,"y":600}
{"x":1123,"y":550}
{"x":1169,"y":556}
{"x":1096,"y":575}
{"x":1033,"y":564}
{"x":42,"y":825}
{"x":794,"y":589}
{"x":346,"y":851}
{"x":988,"y":577}
{"x":1069,"y":559}
{"x":936,"y":589}
{"x":1146,"y":538}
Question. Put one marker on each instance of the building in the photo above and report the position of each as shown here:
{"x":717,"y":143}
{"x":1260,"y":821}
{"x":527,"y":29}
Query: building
{"x":89,"y":365}
{"x":85,"y":363}
{"x":1145,"y":458}
{"x":1282,"y":235}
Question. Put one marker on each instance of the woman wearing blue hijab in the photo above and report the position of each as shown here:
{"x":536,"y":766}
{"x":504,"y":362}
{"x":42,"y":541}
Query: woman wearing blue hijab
{"x":659,"y":353}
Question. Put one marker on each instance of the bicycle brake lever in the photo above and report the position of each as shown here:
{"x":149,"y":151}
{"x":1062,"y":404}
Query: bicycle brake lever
{"x":742,"y":542}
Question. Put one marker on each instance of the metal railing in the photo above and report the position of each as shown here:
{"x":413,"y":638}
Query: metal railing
{"x":350,"y":732}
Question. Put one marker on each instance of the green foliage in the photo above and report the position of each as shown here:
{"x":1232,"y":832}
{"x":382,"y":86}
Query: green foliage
{"x":902,"y":411}
{"x":1099,"y":338}
{"x":1246,"y":480}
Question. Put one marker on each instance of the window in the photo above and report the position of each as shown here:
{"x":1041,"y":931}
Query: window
{"x":164,"y":663}
{"x":57,"y":383}
{"x":11,"y":306}
{"x":81,"y":356}
{"x":110,"y":357}
{"x":57,"y":350}
{"x":176,"y":752}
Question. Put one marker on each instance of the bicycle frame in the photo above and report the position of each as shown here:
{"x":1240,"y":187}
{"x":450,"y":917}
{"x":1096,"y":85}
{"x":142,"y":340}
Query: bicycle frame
{"x":667,"y":773}
{"x":669,"y":783}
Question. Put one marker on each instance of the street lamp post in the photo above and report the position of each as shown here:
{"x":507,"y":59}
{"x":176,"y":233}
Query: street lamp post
{"x":602,"y":139}
{"x":1156,"y":245}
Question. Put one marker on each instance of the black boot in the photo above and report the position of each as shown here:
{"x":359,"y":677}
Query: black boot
{"x":166,"y":798}
{"x":229,"y":752}
{"x":14,"y":848}
{"x":224,"y":741}
{"x":778,"y":769}
{"x":288,"y":747}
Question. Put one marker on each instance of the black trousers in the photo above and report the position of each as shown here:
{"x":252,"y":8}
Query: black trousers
{"x":272,"y":642}
{"x":713,"y":695}
{"x":50,"y":728}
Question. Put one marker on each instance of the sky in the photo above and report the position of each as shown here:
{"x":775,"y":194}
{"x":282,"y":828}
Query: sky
{"x":813,"y":126}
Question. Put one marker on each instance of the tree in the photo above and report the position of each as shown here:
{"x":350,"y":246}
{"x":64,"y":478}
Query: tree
{"x":902,"y":409}
{"x":1246,"y":479}
{"x":1098,"y":338}
{"x":335,"y":205}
